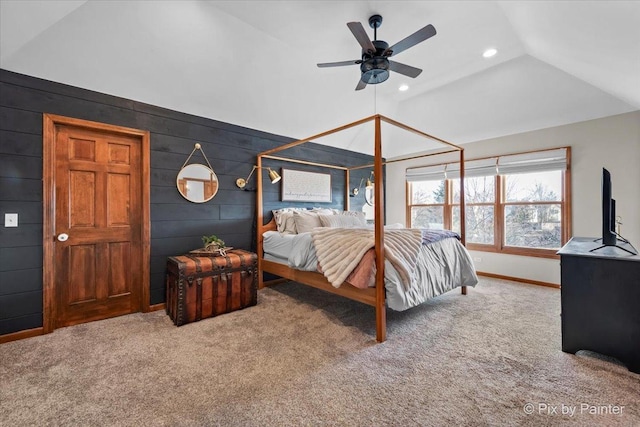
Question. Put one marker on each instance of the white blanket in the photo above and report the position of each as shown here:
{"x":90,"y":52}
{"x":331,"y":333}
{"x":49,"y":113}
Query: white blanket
{"x":339,"y":250}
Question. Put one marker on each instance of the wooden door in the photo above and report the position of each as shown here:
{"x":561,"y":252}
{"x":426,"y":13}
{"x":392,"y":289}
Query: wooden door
{"x":98,"y":206}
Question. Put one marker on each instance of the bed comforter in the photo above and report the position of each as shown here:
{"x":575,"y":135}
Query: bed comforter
{"x":441,"y":264}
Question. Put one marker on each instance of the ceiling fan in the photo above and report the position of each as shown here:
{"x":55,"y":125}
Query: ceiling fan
{"x":375,"y":64}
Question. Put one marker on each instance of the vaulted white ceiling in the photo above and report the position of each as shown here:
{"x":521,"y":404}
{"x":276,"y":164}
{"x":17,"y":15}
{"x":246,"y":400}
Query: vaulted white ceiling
{"x":253,"y":63}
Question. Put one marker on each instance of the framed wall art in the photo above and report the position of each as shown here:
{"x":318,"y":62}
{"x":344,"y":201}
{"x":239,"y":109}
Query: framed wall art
{"x":302,"y":186}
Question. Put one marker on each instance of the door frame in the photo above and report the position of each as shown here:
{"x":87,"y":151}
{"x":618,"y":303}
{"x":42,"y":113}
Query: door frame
{"x":49,"y":127}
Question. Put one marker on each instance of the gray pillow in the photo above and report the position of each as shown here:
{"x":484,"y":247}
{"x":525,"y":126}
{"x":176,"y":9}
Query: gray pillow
{"x":284,"y":220}
{"x":306,"y":221}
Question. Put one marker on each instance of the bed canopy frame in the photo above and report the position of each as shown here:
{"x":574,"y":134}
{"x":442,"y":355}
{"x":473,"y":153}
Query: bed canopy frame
{"x":374,"y":296}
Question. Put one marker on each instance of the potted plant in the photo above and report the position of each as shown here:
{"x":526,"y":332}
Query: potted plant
{"x":213,"y":243}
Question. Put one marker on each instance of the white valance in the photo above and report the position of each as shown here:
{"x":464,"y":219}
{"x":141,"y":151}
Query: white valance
{"x":537,"y":161}
{"x":426,"y":173}
{"x":473,"y":168}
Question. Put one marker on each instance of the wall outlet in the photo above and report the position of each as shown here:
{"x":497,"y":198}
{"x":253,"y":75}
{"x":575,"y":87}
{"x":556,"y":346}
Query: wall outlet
{"x":11,"y":220}
{"x":477,"y":259}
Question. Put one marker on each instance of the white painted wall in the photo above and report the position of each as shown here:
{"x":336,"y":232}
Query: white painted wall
{"x":611,"y":142}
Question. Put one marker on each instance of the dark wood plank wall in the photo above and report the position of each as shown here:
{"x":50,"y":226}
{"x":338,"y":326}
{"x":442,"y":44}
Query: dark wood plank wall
{"x":176,"y":224}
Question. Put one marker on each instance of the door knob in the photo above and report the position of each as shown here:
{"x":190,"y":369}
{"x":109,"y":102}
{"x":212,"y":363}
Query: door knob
{"x":63,"y":237}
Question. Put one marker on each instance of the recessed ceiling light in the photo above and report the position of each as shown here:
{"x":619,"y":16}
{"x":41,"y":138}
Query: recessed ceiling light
{"x":490,"y":52}
{"x":403,"y":88}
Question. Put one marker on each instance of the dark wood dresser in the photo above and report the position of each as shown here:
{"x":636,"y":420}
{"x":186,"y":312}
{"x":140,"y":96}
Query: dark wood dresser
{"x":601,"y":301}
{"x":199,"y":287}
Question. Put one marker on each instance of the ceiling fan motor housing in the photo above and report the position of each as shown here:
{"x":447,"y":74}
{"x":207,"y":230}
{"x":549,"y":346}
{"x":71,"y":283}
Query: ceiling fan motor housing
{"x":374,"y":67}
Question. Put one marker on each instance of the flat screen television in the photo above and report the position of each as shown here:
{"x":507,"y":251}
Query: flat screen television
{"x":609,"y":235}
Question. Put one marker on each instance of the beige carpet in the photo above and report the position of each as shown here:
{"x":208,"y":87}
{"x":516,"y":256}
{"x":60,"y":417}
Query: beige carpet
{"x":305,"y":357}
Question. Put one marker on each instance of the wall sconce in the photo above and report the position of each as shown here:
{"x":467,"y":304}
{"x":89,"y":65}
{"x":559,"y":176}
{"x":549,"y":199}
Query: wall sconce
{"x":273,"y":176}
{"x":356,"y":190}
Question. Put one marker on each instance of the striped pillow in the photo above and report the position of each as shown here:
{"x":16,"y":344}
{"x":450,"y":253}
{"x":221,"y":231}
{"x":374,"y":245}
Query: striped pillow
{"x":341,"y":221}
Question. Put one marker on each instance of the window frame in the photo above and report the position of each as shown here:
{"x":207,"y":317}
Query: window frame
{"x":499,"y":204}
{"x":446,"y":207}
{"x":467,"y":204}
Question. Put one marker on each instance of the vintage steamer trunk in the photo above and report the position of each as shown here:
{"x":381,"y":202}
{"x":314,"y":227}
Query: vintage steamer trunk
{"x":199,"y":287}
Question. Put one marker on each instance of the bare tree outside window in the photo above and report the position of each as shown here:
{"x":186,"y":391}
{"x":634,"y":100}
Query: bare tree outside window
{"x":533,"y":210}
{"x":429,"y":196}
{"x":480,"y":208}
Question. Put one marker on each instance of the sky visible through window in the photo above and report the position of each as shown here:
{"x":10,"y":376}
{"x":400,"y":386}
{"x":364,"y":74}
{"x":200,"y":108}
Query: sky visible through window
{"x":536,"y":186}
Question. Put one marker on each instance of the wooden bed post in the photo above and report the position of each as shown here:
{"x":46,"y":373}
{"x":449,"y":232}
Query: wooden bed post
{"x":346,"y":189}
{"x":463,"y":237}
{"x":260,"y":221}
{"x":381,"y":314}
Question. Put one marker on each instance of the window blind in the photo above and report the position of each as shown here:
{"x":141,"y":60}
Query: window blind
{"x":537,"y":161}
{"x":426,"y":173}
{"x":473,"y":168}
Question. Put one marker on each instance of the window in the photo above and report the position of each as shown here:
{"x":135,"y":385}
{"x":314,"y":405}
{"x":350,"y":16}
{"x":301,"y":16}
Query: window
{"x":479,"y":208}
{"x":513,"y":204}
{"x":427,"y":204}
{"x":533,"y":210}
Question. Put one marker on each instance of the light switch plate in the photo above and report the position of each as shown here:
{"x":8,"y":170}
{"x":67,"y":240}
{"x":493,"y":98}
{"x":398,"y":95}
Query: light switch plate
{"x":11,"y":220}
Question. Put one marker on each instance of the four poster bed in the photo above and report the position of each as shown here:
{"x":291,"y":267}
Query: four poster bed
{"x":452,"y":261}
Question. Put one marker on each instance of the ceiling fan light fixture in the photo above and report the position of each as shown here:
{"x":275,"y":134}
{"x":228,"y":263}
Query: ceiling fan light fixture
{"x":374,"y":69}
{"x":373,"y":77}
{"x":490,"y":52}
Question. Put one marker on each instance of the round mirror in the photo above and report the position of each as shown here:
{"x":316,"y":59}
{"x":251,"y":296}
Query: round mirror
{"x":197,"y":183}
{"x":369,"y":195}
{"x":369,"y":214}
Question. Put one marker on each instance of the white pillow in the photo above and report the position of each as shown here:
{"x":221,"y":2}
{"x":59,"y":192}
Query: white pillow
{"x":394,"y":226}
{"x":350,"y":213}
{"x":306,"y":221}
{"x":356,"y":214}
{"x":323,"y":211}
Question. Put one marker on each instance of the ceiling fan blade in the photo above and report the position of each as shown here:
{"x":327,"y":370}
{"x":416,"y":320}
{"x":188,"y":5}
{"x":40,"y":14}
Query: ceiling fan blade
{"x":339,"y":64}
{"x":361,"y":35}
{"x":407,"y":70}
{"x":412,"y":40}
{"x":361,"y":85}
